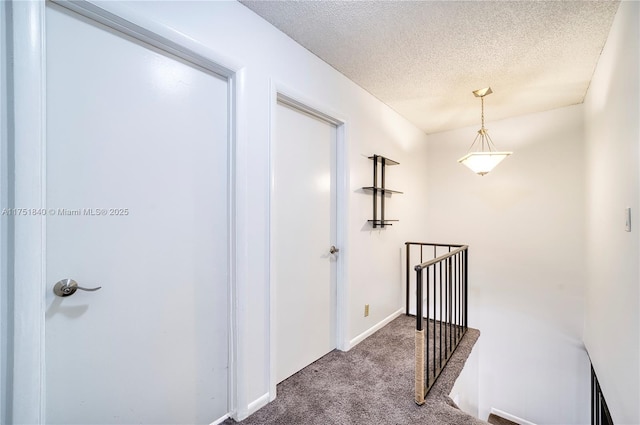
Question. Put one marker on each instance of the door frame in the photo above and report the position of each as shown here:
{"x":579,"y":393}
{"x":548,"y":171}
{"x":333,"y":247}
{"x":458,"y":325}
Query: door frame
{"x":26,"y":247}
{"x":281,"y":93}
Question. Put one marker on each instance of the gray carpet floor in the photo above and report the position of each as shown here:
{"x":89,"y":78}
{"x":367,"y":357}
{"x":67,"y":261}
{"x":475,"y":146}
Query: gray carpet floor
{"x":371,"y":384}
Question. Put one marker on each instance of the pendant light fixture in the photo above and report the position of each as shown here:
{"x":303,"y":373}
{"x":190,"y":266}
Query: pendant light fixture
{"x":485,"y":158}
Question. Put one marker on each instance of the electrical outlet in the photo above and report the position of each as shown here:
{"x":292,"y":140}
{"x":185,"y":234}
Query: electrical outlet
{"x":366,"y":310}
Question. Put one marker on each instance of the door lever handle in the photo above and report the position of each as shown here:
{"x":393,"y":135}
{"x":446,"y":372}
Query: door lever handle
{"x":67,"y":287}
{"x":333,"y":250}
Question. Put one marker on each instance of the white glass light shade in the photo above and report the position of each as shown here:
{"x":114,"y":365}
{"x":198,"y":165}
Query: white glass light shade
{"x":483,"y":162}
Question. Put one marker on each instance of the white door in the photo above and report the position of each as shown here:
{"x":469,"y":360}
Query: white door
{"x":304,"y":215}
{"x":136,"y":188}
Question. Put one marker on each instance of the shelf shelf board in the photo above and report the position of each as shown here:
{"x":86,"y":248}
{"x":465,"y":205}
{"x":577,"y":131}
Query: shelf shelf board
{"x":381,"y":189}
{"x":385,"y":222}
{"x":387,"y":161}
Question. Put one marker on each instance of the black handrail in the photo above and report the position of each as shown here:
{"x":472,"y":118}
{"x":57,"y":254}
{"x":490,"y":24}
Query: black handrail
{"x":446,"y":278}
{"x":440,"y":258}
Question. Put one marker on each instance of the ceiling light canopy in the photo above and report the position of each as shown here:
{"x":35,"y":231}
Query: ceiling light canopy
{"x":485,"y":158}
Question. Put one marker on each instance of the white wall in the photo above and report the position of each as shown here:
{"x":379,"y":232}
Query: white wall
{"x":465,"y":391}
{"x":524,"y":223}
{"x":612,"y":324}
{"x":373,"y":258}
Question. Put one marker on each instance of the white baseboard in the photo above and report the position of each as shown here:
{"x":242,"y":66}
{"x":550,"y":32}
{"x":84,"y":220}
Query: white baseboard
{"x":220,"y":420}
{"x":257,"y":404}
{"x":510,"y":417}
{"x":252,"y":408}
{"x":357,"y":340}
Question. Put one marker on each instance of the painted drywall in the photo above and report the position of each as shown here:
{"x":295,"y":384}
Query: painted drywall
{"x":524,"y":224}
{"x":264,"y":56}
{"x":465,"y":391}
{"x":612,"y":135}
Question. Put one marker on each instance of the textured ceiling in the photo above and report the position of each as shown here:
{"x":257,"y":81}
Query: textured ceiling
{"x":425,"y":58}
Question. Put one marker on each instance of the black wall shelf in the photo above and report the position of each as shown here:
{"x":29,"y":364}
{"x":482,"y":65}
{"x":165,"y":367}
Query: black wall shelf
{"x":380,"y":162}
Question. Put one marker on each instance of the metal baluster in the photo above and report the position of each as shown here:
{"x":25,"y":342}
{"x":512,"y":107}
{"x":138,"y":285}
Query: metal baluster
{"x":434,"y":321}
{"x":440,"y":307}
{"x":427,"y":336}
{"x":466,"y":287}
{"x":593,"y":397}
{"x":454,"y":299}
{"x":407,"y":288}
{"x":444,"y":308}
{"x":459,"y":258}
{"x":449,"y":283}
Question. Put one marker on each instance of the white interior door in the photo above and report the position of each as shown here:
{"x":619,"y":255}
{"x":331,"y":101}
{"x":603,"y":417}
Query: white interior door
{"x":304,"y":227}
{"x":136,"y":187}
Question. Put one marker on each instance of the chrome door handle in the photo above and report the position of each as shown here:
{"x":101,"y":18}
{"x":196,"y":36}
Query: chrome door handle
{"x":333,"y":250}
{"x":67,"y":287}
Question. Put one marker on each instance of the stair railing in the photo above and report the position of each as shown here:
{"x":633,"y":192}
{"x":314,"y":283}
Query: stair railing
{"x":600,"y":414}
{"x":441,"y":301}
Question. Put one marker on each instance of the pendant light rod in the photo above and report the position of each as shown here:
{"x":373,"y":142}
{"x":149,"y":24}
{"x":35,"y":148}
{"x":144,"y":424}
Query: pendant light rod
{"x":482,"y":130}
{"x":482,"y":112}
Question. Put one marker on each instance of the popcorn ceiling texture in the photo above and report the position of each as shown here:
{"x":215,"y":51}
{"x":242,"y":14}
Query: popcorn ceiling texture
{"x":424,"y":58}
